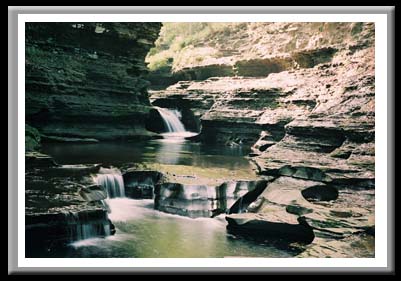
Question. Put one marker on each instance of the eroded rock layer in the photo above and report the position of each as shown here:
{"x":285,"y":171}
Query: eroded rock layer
{"x":307,"y":109}
{"x":85,"y":79}
{"x":62,"y":205}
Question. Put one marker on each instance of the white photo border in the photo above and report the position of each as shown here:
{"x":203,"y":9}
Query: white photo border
{"x":381,"y":242}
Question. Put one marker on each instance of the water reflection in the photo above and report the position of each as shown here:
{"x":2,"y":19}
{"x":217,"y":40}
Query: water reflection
{"x":171,"y":150}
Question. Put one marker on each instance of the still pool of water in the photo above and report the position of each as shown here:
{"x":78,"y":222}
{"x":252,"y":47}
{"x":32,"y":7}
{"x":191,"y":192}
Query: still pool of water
{"x":170,"y":150}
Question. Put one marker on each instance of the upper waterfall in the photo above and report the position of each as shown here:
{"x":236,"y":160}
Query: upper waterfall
{"x":171,"y":119}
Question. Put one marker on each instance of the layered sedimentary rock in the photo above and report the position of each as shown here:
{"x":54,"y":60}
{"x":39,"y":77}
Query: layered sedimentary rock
{"x":85,"y":80}
{"x":62,"y":205}
{"x":306,"y":105}
{"x":194,"y":200}
{"x":335,"y":99}
{"x":141,"y":184}
{"x":257,"y":49}
{"x":293,"y":209}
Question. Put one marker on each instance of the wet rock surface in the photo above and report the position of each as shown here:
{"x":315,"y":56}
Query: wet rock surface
{"x":205,"y":200}
{"x":62,"y":205}
{"x":141,"y":184}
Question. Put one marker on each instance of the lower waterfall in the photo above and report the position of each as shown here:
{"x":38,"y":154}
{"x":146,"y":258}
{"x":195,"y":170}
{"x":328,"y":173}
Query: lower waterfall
{"x":112,"y":181}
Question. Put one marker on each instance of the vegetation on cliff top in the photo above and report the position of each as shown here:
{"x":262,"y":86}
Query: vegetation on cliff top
{"x":176,"y":42}
{"x":187,"y":45}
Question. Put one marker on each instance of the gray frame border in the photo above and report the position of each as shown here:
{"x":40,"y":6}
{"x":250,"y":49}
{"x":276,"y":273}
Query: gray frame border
{"x":13,"y":12}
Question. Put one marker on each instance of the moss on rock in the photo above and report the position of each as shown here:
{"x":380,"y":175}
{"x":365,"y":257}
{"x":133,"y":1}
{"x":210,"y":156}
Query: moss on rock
{"x":32,"y":138}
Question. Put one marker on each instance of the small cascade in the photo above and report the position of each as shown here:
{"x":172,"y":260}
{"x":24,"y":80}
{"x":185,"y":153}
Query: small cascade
{"x":81,"y":227}
{"x":171,"y":119}
{"x":85,"y":231}
{"x":112,"y":181}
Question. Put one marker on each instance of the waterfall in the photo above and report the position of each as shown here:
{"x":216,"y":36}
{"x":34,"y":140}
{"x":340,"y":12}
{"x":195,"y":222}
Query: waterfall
{"x":86,"y":231}
{"x":80,"y":227}
{"x":112,"y":181}
{"x":171,"y":119}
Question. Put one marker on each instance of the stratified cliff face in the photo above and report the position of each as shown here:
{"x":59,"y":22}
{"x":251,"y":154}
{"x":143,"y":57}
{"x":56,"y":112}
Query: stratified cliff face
{"x":323,"y":100}
{"x":252,"y":49}
{"x":85,"y":79}
{"x":306,"y":106}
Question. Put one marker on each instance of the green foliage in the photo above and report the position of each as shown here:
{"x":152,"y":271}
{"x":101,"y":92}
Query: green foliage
{"x":176,"y":36}
{"x":32,"y":138}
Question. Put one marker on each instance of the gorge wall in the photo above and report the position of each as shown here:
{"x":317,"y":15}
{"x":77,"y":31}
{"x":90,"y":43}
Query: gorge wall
{"x":308,"y":87}
{"x":85,"y":80}
{"x":84,"y":83}
{"x":302,"y":96}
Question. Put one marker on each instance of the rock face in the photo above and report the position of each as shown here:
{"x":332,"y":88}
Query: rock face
{"x":85,"y":80}
{"x":141,"y":184}
{"x":303,"y":98}
{"x":205,"y":200}
{"x":62,"y":205}
{"x":333,"y":103}
{"x":255,"y":49}
{"x":292,"y":209}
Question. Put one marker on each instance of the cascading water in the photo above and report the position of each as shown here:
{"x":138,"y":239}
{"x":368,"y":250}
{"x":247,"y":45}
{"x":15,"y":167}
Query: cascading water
{"x":171,"y":119}
{"x":112,"y":181}
{"x":81,"y":228}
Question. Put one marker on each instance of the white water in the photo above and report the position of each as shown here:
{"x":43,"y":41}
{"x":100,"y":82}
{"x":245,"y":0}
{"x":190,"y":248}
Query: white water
{"x":82,"y":230}
{"x":171,"y":119}
{"x":112,"y":181}
{"x":86,"y":231}
{"x":124,"y":209}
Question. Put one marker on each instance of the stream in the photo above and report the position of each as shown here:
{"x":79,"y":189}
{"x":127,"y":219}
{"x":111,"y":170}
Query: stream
{"x":142,"y":231}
